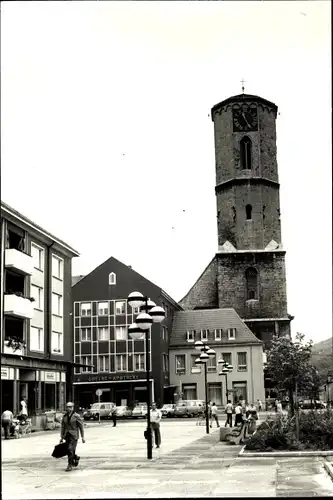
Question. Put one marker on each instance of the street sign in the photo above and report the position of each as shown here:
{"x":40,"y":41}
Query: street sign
{"x":99,"y":392}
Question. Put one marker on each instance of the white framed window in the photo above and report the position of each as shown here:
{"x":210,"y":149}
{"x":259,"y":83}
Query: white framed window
{"x":211,"y":364}
{"x":121,"y":333}
{"x":103,"y":309}
{"x":112,"y":278}
{"x":57,"y":267}
{"x":103,"y":333}
{"x":103,"y":363}
{"x":194,"y":367}
{"x":218,"y":333}
{"x":166,"y":363}
{"x":36,"y":339}
{"x":121,"y":363}
{"x":37,"y":293}
{"x":231,"y":333}
{"x":226,"y":356}
{"x":57,"y":343}
{"x":190,"y":335}
{"x":180,"y":364}
{"x":139,"y":362}
{"x":204,"y":335}
{"x":56,"y":304}
{"x":242,"y":361}
{"x":86,"y":360}
{"x":135,"y":310}
{"x":85,"y":334}
{"x":85,"y":309}
{"x":120,"y":307}
{"x":37,"y":253}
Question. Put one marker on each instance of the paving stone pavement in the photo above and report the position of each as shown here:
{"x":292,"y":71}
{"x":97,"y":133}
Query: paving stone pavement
{"x":188,"y":464}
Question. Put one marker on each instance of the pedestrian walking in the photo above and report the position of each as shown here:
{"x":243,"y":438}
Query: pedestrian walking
{"x":114,"y":416}
{"x":71,"y":427}
{"x":228,"y":410}
{"x":259,"y":404}
{"x":238,"y":414}
{"x":155,"y":419}
{"x":278,"y":406}
{"x":24,"y":409}
{"x":6,"y":422}
{"x":214,"y":415}
{"x":247,"y":411}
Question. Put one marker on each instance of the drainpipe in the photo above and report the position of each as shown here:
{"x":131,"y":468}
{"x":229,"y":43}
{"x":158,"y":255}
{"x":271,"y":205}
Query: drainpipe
{"x":49,"y":301}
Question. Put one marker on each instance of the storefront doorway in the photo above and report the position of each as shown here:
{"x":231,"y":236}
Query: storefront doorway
{"x":7,"y":395}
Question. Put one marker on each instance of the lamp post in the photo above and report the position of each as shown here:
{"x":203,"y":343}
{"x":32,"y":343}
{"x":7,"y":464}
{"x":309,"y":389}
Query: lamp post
{"x":149,"y":313}
{"x":206,"y":352}
{"x":225,"y":369}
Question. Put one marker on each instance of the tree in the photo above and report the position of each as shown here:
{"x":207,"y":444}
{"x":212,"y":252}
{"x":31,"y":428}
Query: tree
{"x":289,"y":367}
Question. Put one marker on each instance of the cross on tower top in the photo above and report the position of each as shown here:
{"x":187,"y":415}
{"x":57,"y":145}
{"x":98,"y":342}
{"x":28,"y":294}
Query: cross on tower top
{"x":242,"y":82}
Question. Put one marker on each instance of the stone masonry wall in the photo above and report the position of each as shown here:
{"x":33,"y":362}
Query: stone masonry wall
{"x":204,"y":291}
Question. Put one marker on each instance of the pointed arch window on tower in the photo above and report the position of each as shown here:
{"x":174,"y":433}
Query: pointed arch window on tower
{"x":248,"y":210}
{"x":251,"y":283}
{"x":246,"y":153}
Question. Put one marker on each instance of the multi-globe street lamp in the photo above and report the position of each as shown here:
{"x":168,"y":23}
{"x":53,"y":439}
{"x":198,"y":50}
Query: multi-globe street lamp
{"x":225,"y":369}
{"x":206,"y":352}
{"x":149,"y":313}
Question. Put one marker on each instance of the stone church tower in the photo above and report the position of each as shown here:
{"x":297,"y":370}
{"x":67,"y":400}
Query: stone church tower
{"x":248,"y":270}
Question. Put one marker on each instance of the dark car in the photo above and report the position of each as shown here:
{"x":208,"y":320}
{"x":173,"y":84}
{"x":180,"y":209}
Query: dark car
{"x":168,"y":410}
{"x":307,"y":404}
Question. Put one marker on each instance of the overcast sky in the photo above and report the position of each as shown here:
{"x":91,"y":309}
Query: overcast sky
{"x":106,"y":138}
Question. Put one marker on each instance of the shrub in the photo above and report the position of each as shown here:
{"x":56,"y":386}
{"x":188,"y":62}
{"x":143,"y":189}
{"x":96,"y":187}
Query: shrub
{"x":316,"y":429}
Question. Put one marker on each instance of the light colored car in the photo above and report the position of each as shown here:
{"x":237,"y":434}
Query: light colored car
{"x":168,"y":410}
{"x":139,"y":411}
{"x":189,"y":408}
{"x":102,"y":410}
{"x":123,"y":412}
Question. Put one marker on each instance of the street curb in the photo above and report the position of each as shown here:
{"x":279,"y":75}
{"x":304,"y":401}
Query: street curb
{"x":244,"y":454}
{"x":329,"y":469}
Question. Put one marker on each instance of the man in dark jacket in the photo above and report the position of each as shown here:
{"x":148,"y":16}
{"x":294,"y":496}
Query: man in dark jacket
{"x":71,"y":428}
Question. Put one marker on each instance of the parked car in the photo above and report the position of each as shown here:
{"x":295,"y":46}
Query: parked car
{"x":307,"y":404}
{"x":102,"y":410}
{"x":189,"y":408}
{"x":168,"y":410}
{"x":123,"y":412}
{"x":140,"y":411}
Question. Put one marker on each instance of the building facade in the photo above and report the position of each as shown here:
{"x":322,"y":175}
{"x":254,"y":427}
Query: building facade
{"x":248,"y":270}
{"x":225,"y":332}
{"x":36,"y":344}
{"x":115,"y":362}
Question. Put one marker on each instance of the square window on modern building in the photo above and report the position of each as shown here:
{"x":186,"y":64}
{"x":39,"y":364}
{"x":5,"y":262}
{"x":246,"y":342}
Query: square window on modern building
{"x":180,"y":364}
{"x":85,"y":309}
{"x":86,"y":360}
{"x":37,"y":294}
{"x":85,"y":334}
{"x":121,"y":333}
{"x":121,"y":362}
{"x":37,"y":253}
{"x":103,"y":363}
{"x":56,"y":304}
{"x":57,"y":267}
{"x":218,"y":333}
{"x":231,"y":333}
{"x":36,"y":339}
{"x":120,"y":307}
{"x":57,"y":343}
{"x":139,"y":362}
{"x":103,"y":333}
{"x":103,"y":308}
{"x":242,"y":361}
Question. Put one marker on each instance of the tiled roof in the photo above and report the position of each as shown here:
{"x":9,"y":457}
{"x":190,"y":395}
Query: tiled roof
{"x":210,"y":319}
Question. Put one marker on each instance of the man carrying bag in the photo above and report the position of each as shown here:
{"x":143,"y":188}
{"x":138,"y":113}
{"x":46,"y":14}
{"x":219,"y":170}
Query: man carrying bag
{"x":71,"y":428}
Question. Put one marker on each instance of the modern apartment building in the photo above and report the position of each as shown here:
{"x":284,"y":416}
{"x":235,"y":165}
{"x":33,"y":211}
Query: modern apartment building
{"x":114,"y":362}
{"x":225,"y":332}
{"x":36,"y":340}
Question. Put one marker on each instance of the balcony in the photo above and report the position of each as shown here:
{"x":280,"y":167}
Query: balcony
{"x":19,"y":307}
{"x":18,"y":261}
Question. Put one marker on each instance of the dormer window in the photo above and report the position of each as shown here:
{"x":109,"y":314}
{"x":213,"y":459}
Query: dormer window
{"x":231,"y":333}
{"x":218,"y":334}
{"x":190,"y":335}
{"x":204,"y":335}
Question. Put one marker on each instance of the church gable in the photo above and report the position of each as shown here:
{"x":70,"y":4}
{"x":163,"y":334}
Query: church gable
{"x":204,"y":293}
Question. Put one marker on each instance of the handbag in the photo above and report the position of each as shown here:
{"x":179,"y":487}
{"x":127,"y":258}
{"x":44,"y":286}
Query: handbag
{"x":60,"y":450}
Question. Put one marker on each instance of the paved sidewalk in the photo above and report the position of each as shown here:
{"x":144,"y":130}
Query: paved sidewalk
{"x":189,"y":464}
